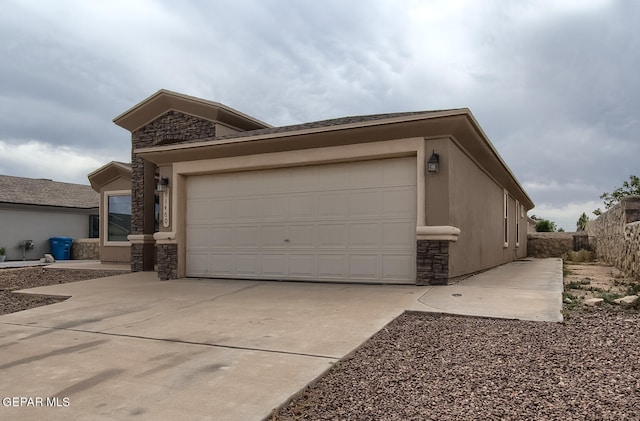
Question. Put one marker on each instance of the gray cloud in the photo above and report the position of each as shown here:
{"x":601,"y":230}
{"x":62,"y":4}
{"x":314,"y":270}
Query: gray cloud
{"x":554,"y":85}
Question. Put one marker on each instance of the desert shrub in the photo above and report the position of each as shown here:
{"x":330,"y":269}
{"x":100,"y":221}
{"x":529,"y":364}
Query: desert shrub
{"x":579,"y":256}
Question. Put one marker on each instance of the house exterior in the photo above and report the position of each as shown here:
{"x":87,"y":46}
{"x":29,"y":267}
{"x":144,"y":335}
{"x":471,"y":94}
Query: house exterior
{"x":413,"y":198}
{"x":113,"y":184}
{"x":36,"y":210}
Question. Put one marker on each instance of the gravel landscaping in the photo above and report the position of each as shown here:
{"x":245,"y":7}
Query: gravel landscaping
{"x":424,"y":366}
{"x":440,"y":367}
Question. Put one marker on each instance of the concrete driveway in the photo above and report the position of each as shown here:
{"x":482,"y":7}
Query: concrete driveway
{"x":131,"y":346}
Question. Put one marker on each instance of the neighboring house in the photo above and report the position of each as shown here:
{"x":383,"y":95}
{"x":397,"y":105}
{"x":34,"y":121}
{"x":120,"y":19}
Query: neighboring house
{"x":417,"y":197}
{"x":38,"y":209}
{"x":113,"y":183}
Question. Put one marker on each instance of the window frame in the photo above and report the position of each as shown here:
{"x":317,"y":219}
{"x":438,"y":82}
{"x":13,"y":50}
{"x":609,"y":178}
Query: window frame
{"x":518,"y":216}
{"x":105,"y":217}
{"x":505,"y":215}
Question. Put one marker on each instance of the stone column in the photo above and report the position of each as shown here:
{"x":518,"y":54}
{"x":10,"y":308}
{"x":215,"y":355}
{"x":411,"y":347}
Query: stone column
{"x":432,"y":254}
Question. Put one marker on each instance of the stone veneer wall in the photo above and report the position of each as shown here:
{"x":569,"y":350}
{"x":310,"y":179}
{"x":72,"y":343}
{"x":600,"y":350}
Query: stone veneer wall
{"x":549,"y":244}
{"x":167,"y":258}
{"x":617,"y":236}
{"x":171,"y":127}
{"x":432,"y":258}
{"x":85,"y":249}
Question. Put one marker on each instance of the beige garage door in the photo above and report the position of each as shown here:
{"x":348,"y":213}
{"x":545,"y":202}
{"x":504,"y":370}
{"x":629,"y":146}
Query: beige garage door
{"x":337,"y":222}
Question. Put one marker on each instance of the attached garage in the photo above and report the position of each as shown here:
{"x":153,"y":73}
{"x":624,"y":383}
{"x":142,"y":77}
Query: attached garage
{"x":352,"y":221}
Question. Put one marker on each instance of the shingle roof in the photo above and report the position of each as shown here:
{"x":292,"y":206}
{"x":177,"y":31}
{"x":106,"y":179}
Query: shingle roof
{"x":319,"y":124}
{"x":38,"y":191}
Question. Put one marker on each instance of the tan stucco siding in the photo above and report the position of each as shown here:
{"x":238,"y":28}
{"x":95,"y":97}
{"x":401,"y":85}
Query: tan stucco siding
{"x":477,"y":208}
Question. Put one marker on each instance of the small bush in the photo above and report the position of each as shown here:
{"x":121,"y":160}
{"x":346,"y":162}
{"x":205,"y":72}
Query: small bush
{"x":579,"y":256}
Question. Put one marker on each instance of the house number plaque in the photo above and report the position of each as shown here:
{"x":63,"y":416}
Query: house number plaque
{"x":165,"y":210}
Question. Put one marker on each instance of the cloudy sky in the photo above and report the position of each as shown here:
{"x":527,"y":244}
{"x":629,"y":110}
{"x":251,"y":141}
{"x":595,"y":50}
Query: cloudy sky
{"x":554,"y":84}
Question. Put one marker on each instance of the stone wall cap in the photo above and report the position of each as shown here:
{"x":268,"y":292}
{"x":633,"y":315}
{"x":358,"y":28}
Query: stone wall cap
{"x":438,"y":233}
{"x":165,"y":237}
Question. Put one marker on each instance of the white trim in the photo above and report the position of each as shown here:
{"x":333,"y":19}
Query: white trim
{"x":165,"y":238}
{"x":505,"y":217}
{"x":517,"y":214}
{"x":104,"y":215}
{"x":140,"y":238}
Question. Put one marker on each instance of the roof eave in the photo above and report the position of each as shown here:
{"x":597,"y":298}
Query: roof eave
{"x":165,"y":100}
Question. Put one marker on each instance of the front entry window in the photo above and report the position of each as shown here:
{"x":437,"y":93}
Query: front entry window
{"x":118,"y":217}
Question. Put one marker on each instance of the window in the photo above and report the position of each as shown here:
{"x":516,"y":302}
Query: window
{"x":94,"y":226}
{"x":517,"y":213}
{"x":118,"y":217}
{"x":506,"y":217}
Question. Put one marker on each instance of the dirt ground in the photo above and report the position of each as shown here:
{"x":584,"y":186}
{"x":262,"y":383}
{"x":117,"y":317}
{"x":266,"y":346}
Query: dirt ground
{"x":596,"y":280}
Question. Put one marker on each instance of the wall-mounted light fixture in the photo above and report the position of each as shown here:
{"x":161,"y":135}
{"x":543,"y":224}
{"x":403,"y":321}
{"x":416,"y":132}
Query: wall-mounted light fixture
{"x":433,"y":165}
{"x":163,"y":184}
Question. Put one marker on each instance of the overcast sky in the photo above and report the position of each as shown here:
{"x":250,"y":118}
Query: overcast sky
{"x":554,"y":84}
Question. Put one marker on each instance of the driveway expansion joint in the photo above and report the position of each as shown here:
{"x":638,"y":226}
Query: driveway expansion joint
{"x":179,"y":341}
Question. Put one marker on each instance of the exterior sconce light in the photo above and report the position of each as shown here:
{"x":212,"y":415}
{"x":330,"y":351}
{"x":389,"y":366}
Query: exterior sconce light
{"x":433,"y":165}
{"x":163,"y":184}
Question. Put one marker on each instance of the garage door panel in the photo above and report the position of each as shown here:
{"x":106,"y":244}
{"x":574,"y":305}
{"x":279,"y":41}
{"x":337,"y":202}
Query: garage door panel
{"x":222,"y":264}
{"x":394,"y":234}
{"x":275,"y":236}
{"x":302,"y":265}
{"x":332,"y":235}
{"x":334,"y":177}
{"x":302,"y":236}
{"x":198,"y":237}
{"x":397,"y":267}
{"x":220,"y":237}
{"x":332,"y":266}
{"x":246,"y":183}
{"x":364,"y":235}
{"x":346,"y":221}
{"x":366,"y":174}
{"x":247,"y":236}
{"x":198,"y":263}
{"x":398,"y":173}
{"x":247,"y":264}
{"x":303,"y":179}
{"x":333,"y":205}
{"x":275,"y":207}
{"x":274,"y":265}
{"x":303,"y":207}
{"x":364,"y":266}
{"x":365,"y":204}
{"x":246,"y":209}
{"x":398,"y":203}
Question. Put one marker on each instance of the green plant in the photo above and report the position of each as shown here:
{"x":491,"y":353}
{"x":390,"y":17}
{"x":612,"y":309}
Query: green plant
{"x":544,"y":225}
{"x":579,"y":256}
{"x":3,"y":251}
{"x":577,"y":285}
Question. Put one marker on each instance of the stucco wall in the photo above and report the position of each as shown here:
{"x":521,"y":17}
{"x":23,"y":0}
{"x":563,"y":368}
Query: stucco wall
{"x":39,"y":224}
{"x":476,"y":207}
{"x":617,"y":236}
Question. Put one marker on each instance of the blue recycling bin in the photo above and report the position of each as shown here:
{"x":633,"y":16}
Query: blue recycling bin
{"x":61,"y":247}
